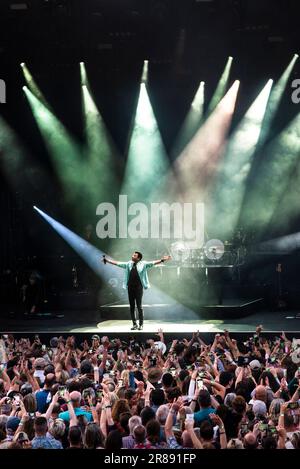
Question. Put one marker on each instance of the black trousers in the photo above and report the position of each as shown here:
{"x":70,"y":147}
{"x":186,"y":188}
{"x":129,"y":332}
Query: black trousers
{"x":135,"y":295}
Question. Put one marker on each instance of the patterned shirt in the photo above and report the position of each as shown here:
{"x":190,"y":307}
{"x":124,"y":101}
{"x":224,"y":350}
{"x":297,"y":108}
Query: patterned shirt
{"x":46,"y":443}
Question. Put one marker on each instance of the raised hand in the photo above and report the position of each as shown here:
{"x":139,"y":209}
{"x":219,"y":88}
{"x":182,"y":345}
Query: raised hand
{"x":197,"y":392}
{"x":57,"y":396}
{"x":16,"y":371}
{"x":228,"y":356}
{"x":106,"y":399}
{"x":140,"y":385}
{"x":283,"y":384}
{"x":147,"y":393}
{"x":23,"y":411}
{"x":281,"y":432}
{"x":177,"y":404}
{"x":284,"y":407}
{"x":189,"y":424}
{"x":216,"y":420}
{"x":166,"y":258}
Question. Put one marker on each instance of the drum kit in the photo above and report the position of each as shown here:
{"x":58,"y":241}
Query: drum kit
{"x":214,"y":253}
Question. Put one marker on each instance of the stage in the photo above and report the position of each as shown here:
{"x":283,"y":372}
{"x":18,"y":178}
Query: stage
{"x":91,"y":322}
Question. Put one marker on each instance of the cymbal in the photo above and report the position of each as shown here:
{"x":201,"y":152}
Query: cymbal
{"x":179,"y":251}
{"x":214,"y":249}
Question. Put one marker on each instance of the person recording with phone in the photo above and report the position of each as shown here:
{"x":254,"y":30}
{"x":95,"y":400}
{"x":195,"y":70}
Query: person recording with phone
{"x":75,"y":400}
{"x":135,"y":281}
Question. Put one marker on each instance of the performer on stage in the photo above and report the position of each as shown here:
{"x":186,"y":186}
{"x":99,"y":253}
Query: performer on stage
{"x":135,"y":280}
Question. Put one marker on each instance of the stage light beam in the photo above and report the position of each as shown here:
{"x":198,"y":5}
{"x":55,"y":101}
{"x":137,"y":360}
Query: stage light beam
{"x":283,"y":245}
{"x":32,"y":85}
{"x":145,"y":73}
{"x":197,"y":164}
{"x":230,"y":184}
{"x":276,"y":98}
{"x":277,"y":182}
{"x":147,"y":159}
{"x":101,"y":152}
{"x":83,"y":75}
{"x":65,"y":152}
{"x":92,"y":257}
{"x":22,"y":172}
{"x":192,"y":121}
{"x":147,"y":164}
{"x":221,"y":87}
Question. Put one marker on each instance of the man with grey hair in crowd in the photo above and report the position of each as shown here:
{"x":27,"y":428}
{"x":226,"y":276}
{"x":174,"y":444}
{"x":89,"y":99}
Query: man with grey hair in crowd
{"x":128,"y":442}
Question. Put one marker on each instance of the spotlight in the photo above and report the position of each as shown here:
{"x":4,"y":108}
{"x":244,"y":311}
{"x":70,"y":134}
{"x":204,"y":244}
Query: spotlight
{"x":221,"y":87}
{"x":229,"y":191}
{"x":100,"y":148}
{"x":192,"y":121}
{"x":83,"y":75}
{"x":145,"y":72}
{"x":32,"y":85}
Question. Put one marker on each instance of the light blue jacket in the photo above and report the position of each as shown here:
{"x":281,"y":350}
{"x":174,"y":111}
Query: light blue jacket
{"x":142,"y":268}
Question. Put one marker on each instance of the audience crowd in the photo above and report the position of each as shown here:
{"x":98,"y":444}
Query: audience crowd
{"x":113,"y":394}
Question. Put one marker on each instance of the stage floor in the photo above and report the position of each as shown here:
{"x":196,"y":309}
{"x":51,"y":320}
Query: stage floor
{"x":89,"y":321}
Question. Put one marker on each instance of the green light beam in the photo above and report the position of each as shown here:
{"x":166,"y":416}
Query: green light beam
{"x":277,"y":182}
{"x":21,"y":171}
{"x":147,"y":161}
{"x":147,"y":165}
{"x":187,"y":180}
{"x":64,"y":151}
{"x":32,"y":85}
{"x":100,"y":163}
{"x":192,"y":121}
{"x":276,"y":98}
{"x":221,"y":87}
{"x":197,"y":164}
{"x":83,"y":75}
{"x":145,"y":73}
{"x":229,"y":187}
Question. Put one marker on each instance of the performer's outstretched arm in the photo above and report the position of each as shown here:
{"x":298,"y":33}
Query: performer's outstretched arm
{"x":110,"y":261}
{"x":160,"y":261}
